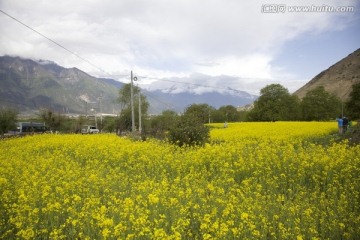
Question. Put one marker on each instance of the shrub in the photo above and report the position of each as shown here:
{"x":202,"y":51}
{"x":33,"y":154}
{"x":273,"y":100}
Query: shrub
{"x":189,"y":131}
{"x":7,"y":120}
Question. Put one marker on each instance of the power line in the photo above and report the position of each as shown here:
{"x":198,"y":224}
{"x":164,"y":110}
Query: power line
{"x":95,"y":66}
{"x":168,"y":105}
{"x":53,"y":41}
{"x":68,"y":50}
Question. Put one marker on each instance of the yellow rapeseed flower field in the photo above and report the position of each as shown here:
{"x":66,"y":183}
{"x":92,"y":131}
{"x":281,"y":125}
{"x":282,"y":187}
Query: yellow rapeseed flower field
{"x":252,"y":181}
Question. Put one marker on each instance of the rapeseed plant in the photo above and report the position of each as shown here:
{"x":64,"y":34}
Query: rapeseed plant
{"x":254,"y":181}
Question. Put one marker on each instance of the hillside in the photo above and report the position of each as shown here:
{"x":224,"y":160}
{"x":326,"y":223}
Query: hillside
{"x":29,"y":85}
{"x":337,"y":79}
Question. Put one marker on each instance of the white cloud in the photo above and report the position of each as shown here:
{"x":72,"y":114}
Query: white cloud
{"x":251,"y":66}
{"x":159,"y":39}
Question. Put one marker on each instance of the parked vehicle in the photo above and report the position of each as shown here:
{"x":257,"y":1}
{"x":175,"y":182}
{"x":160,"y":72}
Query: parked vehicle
{"x":89,"y":129}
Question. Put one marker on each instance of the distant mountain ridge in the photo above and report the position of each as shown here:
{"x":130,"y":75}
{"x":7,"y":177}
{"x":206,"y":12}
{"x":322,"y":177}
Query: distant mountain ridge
{"x":337,"y":79}
{"x":178,"y":101}
{"x":28,"y":85}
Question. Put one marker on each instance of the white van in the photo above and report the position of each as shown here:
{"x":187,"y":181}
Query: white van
{"x":89,"y":129}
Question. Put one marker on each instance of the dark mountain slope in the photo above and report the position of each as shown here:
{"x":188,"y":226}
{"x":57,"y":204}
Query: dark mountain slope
{"x":337,"y":79}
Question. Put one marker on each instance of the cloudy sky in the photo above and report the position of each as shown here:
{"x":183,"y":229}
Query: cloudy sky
{"x":242,"y":45}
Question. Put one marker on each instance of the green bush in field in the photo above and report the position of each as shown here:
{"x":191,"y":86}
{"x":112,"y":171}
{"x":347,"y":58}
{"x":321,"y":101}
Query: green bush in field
{"x":189,"y":131}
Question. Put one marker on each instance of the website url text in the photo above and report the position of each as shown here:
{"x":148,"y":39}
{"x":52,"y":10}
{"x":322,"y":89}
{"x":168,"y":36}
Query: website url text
{"x":282,"y":8}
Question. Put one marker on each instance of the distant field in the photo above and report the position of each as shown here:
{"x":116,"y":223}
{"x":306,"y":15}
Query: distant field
{"x":253,"y":181}
{"x":273,"y":130}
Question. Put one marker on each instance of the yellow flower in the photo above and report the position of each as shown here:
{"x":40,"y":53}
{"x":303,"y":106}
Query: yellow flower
{"x":105,"y":233}
{"x":250,"y":181}
{"x":153,"y":199}
{"x":26,"y":234}
{"x":207,"y":236}
{"x":244,"y":216}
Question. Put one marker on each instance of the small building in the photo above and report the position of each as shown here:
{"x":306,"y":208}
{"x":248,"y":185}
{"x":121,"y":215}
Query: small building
{"x":29,"y":128}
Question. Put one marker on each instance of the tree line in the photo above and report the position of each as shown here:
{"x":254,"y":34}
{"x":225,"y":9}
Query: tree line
{"x":275,"y":103}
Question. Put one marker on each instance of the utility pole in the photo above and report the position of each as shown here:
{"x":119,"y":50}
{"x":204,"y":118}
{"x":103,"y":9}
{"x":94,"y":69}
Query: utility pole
{"x":133,"y":129}
{"x":95,"y":113}
{"x":209,"y":116}
{"x":101,"y":117}
{"x":96,"y":119}
{"x":140,"y":129}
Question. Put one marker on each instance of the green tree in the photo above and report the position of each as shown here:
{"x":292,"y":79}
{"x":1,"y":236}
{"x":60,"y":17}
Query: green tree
{"x":79,"y":123}
{"x":229,"y":113}
{"x":353,"y":104}
{"x":125,"y":94}
{"x":189,"y":130}
{"x":162,"y":123}
{"x":125,"y":103}
{"x":109,"y":123}
{"x":275,"y":103}
{"x":8,"y":119}
{"x":320,"y":105}
{"x":67,"y":125}
{"x":201,"y":111}
{"x":243,"y":115}
{"x":52,"y":121}
{"x":124,"y":121}
{"x":216,"y":116}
